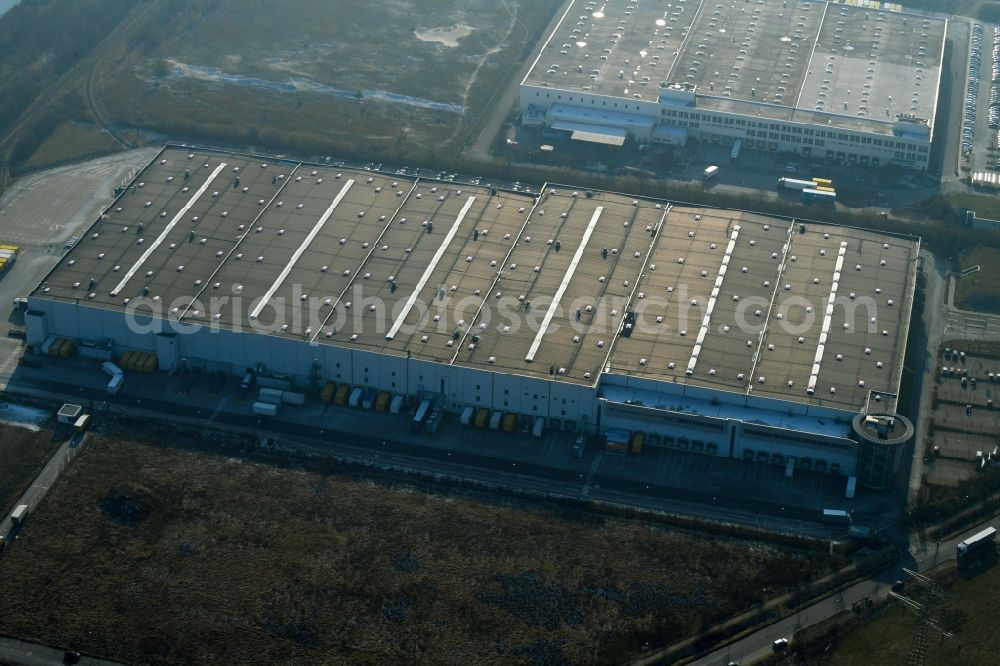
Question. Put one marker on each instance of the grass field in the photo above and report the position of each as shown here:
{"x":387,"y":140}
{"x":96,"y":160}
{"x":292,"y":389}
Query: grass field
{"x":409,"y":77}
{"x":150,"y":554}
{"x":986,"y":206}
{"x":980,"y":291}
{"x":889,"y":638}
{"x":23,"y":453}
{"x":72,"y":140}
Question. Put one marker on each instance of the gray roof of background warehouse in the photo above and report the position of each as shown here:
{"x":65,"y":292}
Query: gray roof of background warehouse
{"x":803,"y":60}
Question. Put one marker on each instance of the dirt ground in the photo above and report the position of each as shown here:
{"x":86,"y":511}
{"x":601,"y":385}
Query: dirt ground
{"x":23,"y":453}
{"x":153,"y":554}
{"x":412,"y":78}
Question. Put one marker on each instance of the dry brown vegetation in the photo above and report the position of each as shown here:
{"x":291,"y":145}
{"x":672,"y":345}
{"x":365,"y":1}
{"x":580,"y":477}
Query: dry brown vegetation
{"x":888,"y":634}
{"x":353,"y":78}
{"x":164,"y":555}
{"x":23,"y":454}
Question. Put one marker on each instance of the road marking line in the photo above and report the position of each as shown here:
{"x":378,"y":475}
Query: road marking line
{"x":591,"y":473}
{"x":218,"y":408}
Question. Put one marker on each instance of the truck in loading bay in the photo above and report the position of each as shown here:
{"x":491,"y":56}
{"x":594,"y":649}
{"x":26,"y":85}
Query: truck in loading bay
{"x":8,"y":255}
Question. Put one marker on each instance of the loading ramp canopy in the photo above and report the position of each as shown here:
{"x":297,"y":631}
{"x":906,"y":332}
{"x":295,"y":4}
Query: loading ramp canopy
{"x":611,"y":136}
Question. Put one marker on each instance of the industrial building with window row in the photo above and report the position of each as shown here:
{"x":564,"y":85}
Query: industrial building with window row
{"x":722,"y":332}
{"x":846,"y":83}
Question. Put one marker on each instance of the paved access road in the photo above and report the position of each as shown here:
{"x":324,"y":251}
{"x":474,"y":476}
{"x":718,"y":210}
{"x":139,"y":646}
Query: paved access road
{"x":757,"y":646}
{"x":924,"y":366}
{"x":485,"y":466}
{"x":40,"y":486}
{"x":23,"y":653}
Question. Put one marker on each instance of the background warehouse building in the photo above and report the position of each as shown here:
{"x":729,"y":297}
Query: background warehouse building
{"x":854,"y":83}
{"x":721,"y":332}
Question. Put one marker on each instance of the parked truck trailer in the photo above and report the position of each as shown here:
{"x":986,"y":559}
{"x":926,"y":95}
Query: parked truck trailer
{"x":796,"y":184}
{"x":980,"y":543}
{"x":19,"y":514}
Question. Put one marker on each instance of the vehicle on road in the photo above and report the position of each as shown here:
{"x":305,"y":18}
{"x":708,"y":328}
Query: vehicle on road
{"x":836,"y":517}
{"x":71,"y":657}
{"x":980,"y":543}
{"x":898,"y":586}
{"x":780,"y":645}
{"x":19,"y":514}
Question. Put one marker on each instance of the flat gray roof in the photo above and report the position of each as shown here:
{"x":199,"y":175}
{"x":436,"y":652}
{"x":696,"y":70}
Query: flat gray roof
{"x":765,"y":328}
{"x":803,"y":60}
{"x":567,"y":285}
{"x":619,"y":48}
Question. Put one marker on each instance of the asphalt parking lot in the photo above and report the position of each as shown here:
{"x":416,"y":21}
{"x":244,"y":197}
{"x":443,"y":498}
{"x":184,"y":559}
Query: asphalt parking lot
{"x":964,"y":423}
{"x":41,"y":224}
{"x":983,"y":138}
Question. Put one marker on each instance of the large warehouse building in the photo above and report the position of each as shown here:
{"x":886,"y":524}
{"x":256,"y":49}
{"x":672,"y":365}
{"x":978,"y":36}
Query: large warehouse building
{"x":722,"y":332}
{"x":848,"y":83}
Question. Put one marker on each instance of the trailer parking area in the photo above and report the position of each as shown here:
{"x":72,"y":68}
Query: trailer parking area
{"x":965,"y":422}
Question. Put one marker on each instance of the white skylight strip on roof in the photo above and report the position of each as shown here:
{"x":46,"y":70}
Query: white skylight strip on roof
{"x":396,"y":325}
{"x":177,"y":218}
{"x":827,"y":320}
{"x":302,"y":248}
{"x":706,"y":322}
{"x":565,"y":283}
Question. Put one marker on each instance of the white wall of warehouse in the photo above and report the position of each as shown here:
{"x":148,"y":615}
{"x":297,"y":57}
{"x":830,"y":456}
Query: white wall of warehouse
{"x":713,"y":125}
{"x":461,"y":385}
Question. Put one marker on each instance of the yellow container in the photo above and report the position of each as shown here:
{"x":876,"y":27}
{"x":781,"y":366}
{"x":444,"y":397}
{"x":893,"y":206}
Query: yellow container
{"x":127,"y":359}
{"x":151,"y":363}
{"x":327,"y":394}
{"x":482,"y":417}
{"x":343,"y":391}
{"x":637,"y":441}
{"x":56,"y":348}
{"x":382,"y":402}
{"x":509,"y":421}
{"x":68,"y":349}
